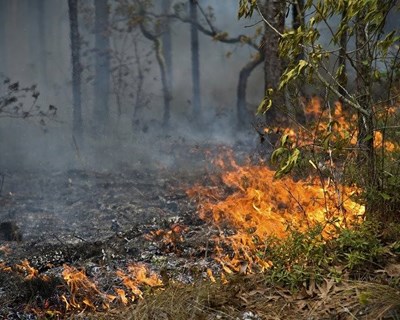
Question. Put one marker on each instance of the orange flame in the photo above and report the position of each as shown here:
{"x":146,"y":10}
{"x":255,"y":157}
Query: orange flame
{"x":260,"y":206}
{"x":83,"y":292}
{"x":138,"y":275}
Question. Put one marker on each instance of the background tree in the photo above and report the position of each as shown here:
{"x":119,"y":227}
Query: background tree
{"x":76,"y":69}
{"x":102,"y":66}
{"x":210,"y":30}
{"x":195,"y":59}
{"x":167,"y":40}
{"x":3,"y":45}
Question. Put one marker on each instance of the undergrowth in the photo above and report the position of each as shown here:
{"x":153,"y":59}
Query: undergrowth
{"x":305,"y":257}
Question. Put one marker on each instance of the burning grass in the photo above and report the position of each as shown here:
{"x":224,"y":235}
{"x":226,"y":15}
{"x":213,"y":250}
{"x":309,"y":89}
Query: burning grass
{"x":280,"y":248}
{"x":76,"y":291}
{"x":249,"y":200}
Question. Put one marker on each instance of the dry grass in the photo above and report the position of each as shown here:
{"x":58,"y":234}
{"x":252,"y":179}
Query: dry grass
{"x":251,"y":294}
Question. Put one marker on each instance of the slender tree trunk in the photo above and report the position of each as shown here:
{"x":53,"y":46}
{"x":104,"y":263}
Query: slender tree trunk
{"x":76,"y":69}
{"x":342,"y":80}
{"x":37,"y":36}
{"x":138,"y":106}
{"x":195,"y":57}
{"x":163,"y":72}
{"x":167,"y":41}
{"x":242,"y":87}
{"x":3,"y":41}
{"x":41,"y":9}
{"x":363,"y":89}
{"x":298,"y":20}
{"x":274,"y":12}
{"x":102,"y":66}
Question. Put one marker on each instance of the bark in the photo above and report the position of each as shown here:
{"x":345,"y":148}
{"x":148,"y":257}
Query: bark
{"x":274,"y":12}
{"x":76,"y":69}
{"x":138,"y":106}
{"x":342,"y":80}
{"x":195,"y":58}
{"x":163,"y":71}
{"x":242,"y":87}
{"x":167,"y":41}
{"x":298,"y":20}
{"x":363,"y":89}
{"x":102,"y":66}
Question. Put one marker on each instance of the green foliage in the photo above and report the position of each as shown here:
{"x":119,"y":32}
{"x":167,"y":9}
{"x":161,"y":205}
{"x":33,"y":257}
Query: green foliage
{"x":304,"y":257}
{"x":266,"y":102}
{"x":375,"y":62}
{"x":246,"y":8}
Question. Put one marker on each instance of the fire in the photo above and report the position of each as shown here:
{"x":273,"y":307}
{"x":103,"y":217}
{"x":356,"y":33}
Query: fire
{"x":261,"y":206}
{"x":334,"y":124}
{"x":137,"y":276}
{"x":26,"y":269}
{"x":82,"y":290}
{"x":170,"y":237}
{"x":81,"y":293}
{"x":249,"y":200}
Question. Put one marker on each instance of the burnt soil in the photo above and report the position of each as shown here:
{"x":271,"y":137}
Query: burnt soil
{"x":95,"y":221}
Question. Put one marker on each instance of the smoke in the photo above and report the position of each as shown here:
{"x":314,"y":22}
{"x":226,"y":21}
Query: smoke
{"x":36,"y":50}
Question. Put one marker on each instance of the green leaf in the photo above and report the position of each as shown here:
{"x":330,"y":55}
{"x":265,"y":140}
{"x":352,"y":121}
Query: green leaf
{"x":289,"y":164}
{"x":367,"y":138}
{"x":277,"y":153}
{"x":385,"y":196}
{"x":326,"y":140}
{"x":264,"y":106}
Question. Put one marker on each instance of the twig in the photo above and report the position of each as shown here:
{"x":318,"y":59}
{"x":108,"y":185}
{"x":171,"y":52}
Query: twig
{"x":79,"y":237}
{"x":58,"y":239}
{"x":76,"y":147}
{"x":267,"y":22}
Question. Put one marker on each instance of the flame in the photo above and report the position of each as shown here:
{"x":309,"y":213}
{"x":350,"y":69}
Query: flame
{"x":211,"y":275}
{"x":169,"y":237}
{"x":261,"y":206}
{"x":137,"y":275}
{"x":84,"y":293}
{"x":122,"y":295}
{"x":248,"y":199}
{"x":25,"y":268}
{"x":335,"y":122}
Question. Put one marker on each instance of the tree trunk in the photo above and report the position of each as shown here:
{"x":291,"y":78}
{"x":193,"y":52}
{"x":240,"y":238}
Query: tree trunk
{"x":274,"y":12}
{"x":3,"y":41}
{"x":37,"y":39}
{"x":41,"y":8}
{"x":102,"y":66}
{"x":195,"y":57}
{"x":298,"y":20}
{"x":242,"y":87}
{"x":363,"y":88}
{"x":76,"y":69}
{"x":163,"y":71}
{"x":342,"y":80}
{"x":167,"y":41}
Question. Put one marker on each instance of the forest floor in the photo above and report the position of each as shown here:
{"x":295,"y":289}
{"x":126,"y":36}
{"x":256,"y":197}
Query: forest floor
{"x":97,"y":224}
